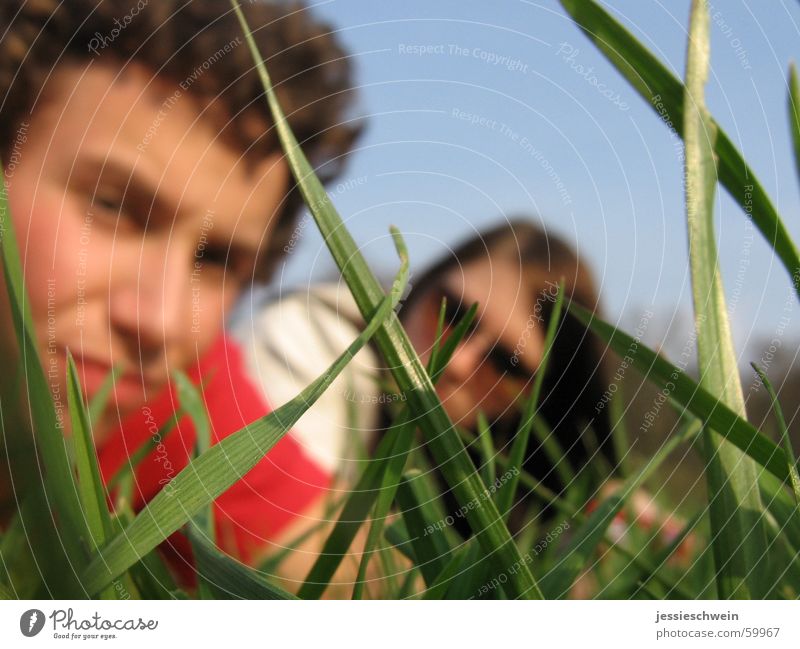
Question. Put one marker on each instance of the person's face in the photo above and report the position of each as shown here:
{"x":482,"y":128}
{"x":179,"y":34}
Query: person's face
{"x":125,"y":210}
{"x":493,"y":364}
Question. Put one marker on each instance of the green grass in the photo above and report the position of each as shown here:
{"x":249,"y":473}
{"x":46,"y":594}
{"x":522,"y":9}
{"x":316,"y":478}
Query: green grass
{"x":66,"y":541}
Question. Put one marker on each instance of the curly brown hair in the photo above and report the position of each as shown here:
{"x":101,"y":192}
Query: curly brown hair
{"x":310,"y":72}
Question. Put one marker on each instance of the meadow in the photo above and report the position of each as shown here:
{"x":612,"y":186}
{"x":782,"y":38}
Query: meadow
{"x":739,"y":539}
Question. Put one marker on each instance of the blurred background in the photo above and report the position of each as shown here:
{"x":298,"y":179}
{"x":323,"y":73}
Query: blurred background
{"x":482,"y":111}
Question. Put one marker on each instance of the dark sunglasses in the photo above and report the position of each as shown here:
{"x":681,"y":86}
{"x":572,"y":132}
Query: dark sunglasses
{"x":497,"y":354}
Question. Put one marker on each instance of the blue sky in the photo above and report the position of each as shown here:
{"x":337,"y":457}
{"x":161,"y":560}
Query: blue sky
{"x":479,"y":111}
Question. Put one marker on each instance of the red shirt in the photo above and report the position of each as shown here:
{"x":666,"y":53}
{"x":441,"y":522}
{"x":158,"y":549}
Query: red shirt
{"x":255,"y":509}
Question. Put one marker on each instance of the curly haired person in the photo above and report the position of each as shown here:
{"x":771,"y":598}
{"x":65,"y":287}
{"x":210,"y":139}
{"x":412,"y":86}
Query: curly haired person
{"x":148,"y":190}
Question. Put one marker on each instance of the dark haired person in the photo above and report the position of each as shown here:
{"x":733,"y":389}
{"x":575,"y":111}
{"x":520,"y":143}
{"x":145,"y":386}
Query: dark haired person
{"x":512,"y":271}
{"x":148,"y":189}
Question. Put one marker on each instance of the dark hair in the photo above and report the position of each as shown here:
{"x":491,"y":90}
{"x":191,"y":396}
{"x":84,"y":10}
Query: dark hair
{"x":572,"y":401}
{"x":174,"y":38}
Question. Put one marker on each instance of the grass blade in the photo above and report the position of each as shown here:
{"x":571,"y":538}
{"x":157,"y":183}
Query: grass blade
{"x":794,"y":113}
{"x":91,"y":490}
{"x":226,"y":577}
{"x":386,"y":494}
{"x":690,"y":396}
{"x":90,"y":484}
{"x":739,"y":538}
{"x":356,"y":509}
{"x":98,"y":402}
{"x":191,"y":401}
{"x":516,"y":456}
{"x":57,"y":482}
{"x":557,"y":583}
{"x":365,"y":492}
{"x":663,"y":91}
{"x":417,"y":504}
{"x":211,"y":474}
{"x":784,"y":432}
{"x":487,"y":469}
{"x":408,"y":371}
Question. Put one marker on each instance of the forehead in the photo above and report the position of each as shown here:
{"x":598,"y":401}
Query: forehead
{"x":157,"y":130}
{"x":494,"y":282}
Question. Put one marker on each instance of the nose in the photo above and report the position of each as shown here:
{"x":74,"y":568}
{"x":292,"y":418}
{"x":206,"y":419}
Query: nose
{"x":466,"y":359}
{"x":148,"y":297}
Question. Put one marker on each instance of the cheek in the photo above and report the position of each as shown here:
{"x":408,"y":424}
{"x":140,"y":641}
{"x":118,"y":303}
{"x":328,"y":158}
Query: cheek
{"x":419,"y":335}
{"x":44,"y":245}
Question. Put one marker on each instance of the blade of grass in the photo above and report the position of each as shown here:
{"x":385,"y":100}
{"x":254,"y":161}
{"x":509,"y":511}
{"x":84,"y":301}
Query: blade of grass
{"x":59,"y":486}
{"x":558,"y":581}
{"x":516,"y":457}
{"x":663,"y":91}
{"x":478,"y":571}
{"x":150,"y":577}
{"x":461,"y":588}
{"x":356,"y":509}
{"x":226,"y":577}
{"x":386,"y":493}
{"x":147,"y":447}
{"x":91,"y":490}
{"x":20,"y":570}
{"x":487,"y":469}
{"x":739,"y":538}
{"x":90,"y":484}
{"x":191,"y":401}
{"x":100,"y":399}
{"x":417,"y":505}
{"x":688,"y":395}
{"x":619,"y":431}
{"x":439,"y":587}
{"x":210,"y":475}
{"x":664,"y":555}
{"x":365,"y":492}
{"x":794,"y":113}
{"x":784,"y":431}
{"x":408,"y":371}
{"x":273,"y":562}
{"x":391,"y":476}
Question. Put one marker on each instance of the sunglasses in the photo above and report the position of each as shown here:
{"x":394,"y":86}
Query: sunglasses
{"x":496,"y":355}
